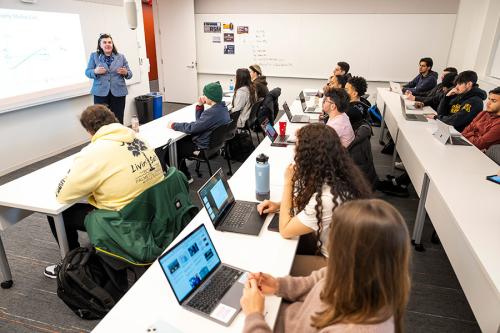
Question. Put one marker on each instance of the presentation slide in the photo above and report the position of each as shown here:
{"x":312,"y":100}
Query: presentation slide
{"x":41,"y":54}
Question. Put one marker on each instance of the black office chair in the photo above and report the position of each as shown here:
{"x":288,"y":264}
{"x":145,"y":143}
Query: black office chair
{"x":250,"y":124}
{"x":230,"y":134}
{"x":217,"y":142}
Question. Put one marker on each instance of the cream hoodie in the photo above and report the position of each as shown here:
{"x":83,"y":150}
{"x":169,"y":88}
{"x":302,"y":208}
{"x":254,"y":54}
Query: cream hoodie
{"x":112,"y":170}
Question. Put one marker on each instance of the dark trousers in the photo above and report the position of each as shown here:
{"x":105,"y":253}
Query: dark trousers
{"x":185,"y":148}
{"x":115,"y":104}
{"x":74,"y":218}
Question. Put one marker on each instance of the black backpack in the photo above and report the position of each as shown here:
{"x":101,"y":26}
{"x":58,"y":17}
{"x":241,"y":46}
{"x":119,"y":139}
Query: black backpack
{"x":88,"y":285}
{"x":241,"y":146}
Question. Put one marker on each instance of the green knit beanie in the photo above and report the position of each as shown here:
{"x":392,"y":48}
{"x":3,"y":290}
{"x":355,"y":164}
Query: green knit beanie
{"x":213,"y":91}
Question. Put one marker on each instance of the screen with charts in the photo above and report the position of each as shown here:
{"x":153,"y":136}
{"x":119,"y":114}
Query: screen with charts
{"x":216,"y":195}
{"x":41,"y":54}
{"x":189,"y":262}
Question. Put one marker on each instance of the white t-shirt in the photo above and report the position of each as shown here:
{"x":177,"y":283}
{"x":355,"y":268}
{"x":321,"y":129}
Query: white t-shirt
{"x":307,"y":216}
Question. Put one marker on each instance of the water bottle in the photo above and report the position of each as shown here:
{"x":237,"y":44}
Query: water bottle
{"x":231,"y":85}
{"x":262,"y":191}
{"x":135,"y":123}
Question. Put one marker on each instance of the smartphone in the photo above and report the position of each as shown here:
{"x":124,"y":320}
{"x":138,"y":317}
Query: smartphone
{"x":494,"y":179}
{"x":274,"y":225}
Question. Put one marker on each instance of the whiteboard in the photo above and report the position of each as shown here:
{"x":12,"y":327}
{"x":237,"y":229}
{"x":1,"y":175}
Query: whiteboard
{"x":113,"y":22}
{"x":380,"y":47}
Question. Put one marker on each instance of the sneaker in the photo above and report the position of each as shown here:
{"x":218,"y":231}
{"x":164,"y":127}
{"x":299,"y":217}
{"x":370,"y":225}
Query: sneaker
{"x":387,"y":187}
{"x":190,"y":180}
{"x":399,"y":166}
{"x":51,"y":271}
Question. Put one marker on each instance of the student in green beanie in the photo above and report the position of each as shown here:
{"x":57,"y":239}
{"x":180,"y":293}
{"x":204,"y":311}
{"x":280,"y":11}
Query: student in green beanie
{"x":206,"y":121}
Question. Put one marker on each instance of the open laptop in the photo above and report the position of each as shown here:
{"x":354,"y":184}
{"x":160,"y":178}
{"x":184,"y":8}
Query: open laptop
{"x":312,"y":109}
{"x":410,"y":117}
{"x":395,"y":87}
{"x":295,"y":118}
{"x":200,"y":282}
{"x":226,"y":213}
{"x":276,"y":140}
{"x":445,"y":136}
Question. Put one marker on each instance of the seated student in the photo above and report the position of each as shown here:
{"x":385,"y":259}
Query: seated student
{"x":418,"y":96}
{"x":484,"y":130}
{"x":335,"y":105}
{"x":335,"y":81}
{"x":206,"y":121}
{"x":259,"y":81}
{"x":323,"y":177}
{"x":425,"y":80}
{"x":433,"y":99}
{"x":104,"y":172}
{"x":358,"y":110}
{"x":363,"y":289}
{"x":462,"y":103}
{"x":244,"y":95}
{"x":342,"y":69}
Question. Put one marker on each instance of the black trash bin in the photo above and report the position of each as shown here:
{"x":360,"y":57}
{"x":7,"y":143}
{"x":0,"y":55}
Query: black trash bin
{"x":144,"y":106}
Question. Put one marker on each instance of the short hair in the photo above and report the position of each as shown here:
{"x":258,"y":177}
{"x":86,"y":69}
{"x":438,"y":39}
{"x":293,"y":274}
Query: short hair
{"x":96,"y":116}
{"x":99,"y":48}
{"x":428,"y":61}
{"x":359,"y":84}
{"x":449,"y":80}
{"x":466,"y":76}
{"x":344,"y":66}
{"x":495,"y":91}
{"x":339,"y":97}
{"x":450,"y":70}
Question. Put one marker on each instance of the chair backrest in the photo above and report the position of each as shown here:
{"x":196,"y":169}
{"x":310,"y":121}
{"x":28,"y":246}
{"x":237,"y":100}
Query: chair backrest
{"x":250,"y":123}
{"x":217,"y":139}
{"x":233,"y":125}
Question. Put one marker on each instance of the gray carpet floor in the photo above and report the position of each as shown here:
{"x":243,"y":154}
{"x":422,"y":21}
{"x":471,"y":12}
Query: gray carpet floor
{"x":437,"y":302}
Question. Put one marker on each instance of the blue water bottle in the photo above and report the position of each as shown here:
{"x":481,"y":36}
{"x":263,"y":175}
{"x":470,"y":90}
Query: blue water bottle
{"x":231,"y":85}
{"x":262,"y":191}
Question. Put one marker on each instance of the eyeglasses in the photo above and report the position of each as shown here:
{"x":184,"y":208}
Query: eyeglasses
{"x":326,"y":100}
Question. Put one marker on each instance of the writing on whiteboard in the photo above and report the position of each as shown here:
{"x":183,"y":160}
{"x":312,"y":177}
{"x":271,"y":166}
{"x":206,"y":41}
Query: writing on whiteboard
{"x":261,"y":55}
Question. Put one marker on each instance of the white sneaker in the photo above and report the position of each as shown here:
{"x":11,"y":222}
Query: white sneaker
{"x":399,"y":166}
{"x":50,"y":271}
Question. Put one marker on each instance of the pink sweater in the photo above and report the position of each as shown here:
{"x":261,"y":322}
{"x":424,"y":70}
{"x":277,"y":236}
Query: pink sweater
{"x":296,"y":317}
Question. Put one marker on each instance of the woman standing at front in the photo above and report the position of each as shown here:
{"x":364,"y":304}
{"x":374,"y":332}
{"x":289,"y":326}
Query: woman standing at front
{"x":109,"y":69}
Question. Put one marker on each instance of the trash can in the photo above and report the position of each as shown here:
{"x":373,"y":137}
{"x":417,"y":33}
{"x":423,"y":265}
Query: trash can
{"x":157,"y":104}
{"x":144,"y":106}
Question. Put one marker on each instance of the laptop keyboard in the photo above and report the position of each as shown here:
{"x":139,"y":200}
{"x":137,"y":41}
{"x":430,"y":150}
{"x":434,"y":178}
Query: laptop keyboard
{"x":239,"y":215}
{"x":207,"y":299}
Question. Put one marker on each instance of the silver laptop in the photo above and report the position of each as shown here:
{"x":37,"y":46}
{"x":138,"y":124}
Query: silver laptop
{"x":200,"y":282}
{"x":295,"y":118}
{"x":395,"y":87}
{"x":312,"y":109}
{"x":445,"y":136}
{"x":410,"y":117}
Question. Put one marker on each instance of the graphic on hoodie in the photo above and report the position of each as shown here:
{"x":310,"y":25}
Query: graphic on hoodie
{"x":137,"y":147}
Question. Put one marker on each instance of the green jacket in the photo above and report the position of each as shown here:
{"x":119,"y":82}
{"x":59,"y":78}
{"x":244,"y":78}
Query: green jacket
{"x":143,"y":229}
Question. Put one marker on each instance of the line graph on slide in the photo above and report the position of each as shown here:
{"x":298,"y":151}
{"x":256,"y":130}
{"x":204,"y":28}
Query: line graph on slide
{"x":39,"y":51}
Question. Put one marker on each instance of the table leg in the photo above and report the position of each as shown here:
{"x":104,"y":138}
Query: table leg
{"x":172,"y":151}
{"x":61,"y":235}
{"x":4,"y":268}
{"x":394,"y":153}
{"x":420,"y":218}
{"x":382,"y":127}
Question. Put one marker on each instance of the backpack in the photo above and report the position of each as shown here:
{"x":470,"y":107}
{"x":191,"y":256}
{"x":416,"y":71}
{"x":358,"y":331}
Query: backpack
{"x":241,"y":146}
{"x":88,"y":286}
{"x":374,"y":116}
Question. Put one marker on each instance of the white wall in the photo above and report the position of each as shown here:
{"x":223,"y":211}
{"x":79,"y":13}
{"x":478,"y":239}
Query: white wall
{"x":32,"y":134}
{"x":474,"y":38}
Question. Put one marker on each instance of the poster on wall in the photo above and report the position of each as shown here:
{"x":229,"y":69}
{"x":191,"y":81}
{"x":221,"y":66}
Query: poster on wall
{"x":228,"y":37}
{"x":227,"y":26}
{"x":211,"y":27}
{"x":229,"y":49}
{"x":242,"y":29}
{"x":215,"y":39}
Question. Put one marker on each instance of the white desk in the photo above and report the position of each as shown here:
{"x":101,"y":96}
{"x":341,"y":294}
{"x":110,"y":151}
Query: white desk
{"x":460,"y":202}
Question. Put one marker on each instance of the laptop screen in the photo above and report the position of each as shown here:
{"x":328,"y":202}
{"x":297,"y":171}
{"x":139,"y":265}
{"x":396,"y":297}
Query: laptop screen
{"x":270,"y":131}
{"x":216,"y":196}
{"x":302,"y":101}
{"x":287,"y":111}
{"x":189,"y":262}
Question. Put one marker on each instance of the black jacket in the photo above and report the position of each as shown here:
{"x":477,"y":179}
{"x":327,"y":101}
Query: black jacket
{"x":260,"y":85}
{"x":433,"y":98}
{"x":361,"y":152}
{"x":269,"y":107}
{"x":460,"y":110}
{"x":357,"y":112}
